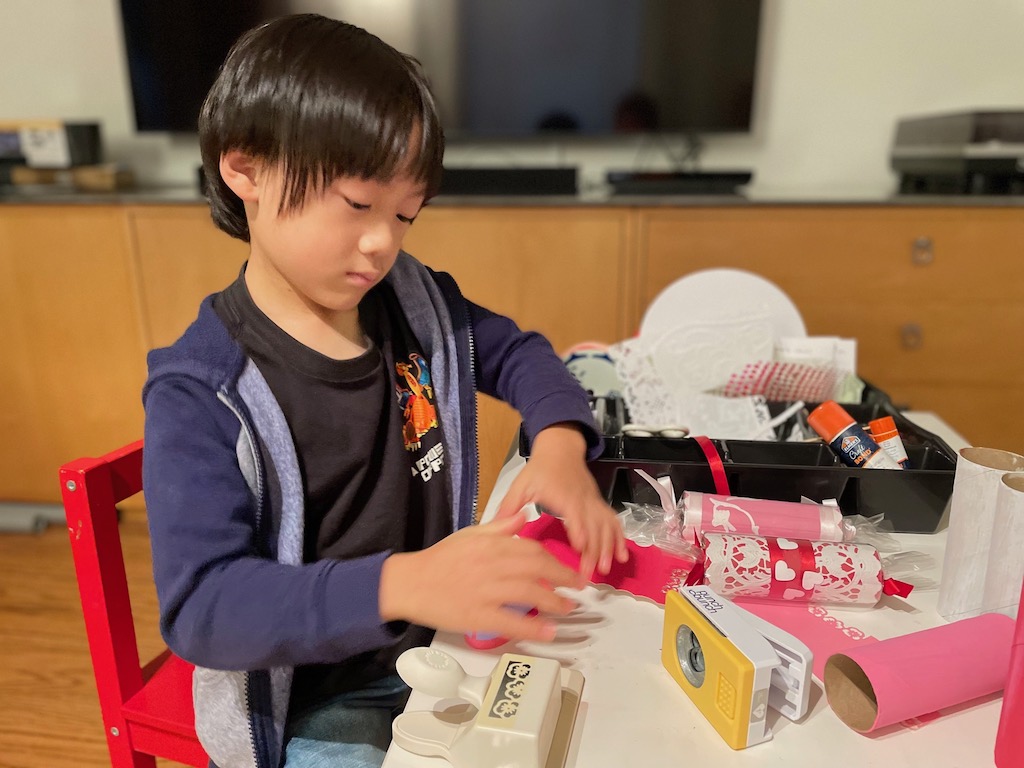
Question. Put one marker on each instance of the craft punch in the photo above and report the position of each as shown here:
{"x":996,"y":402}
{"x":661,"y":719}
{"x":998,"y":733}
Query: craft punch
{"x":733,"y":665}
{"x":522,"y":714}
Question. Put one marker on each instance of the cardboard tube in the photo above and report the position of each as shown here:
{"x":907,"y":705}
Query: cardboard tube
{"x":1005,"y":571}
{"x":1010,"y":736}
{"x":972,"y":509}
{"x":878,"y":684}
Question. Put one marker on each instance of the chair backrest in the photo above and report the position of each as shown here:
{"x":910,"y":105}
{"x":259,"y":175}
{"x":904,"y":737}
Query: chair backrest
{"x":91,"y":488}
{"x":147,"y":711}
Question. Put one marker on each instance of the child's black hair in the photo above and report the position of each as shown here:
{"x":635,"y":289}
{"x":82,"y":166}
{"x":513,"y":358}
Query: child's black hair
{"x":323,"y":99}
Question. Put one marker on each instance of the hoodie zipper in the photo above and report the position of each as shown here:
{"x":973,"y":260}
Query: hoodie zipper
{"x":251,"y":437}
{"x":474,"y":430}
{"x":260,"y":492}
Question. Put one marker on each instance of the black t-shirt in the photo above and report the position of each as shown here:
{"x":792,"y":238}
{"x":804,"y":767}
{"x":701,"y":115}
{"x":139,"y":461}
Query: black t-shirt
{"x":369,"y":447}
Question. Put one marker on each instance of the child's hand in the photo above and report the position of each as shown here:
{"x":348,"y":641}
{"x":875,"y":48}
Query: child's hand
{"x":465,"y":581}
{"x":556,"y":477}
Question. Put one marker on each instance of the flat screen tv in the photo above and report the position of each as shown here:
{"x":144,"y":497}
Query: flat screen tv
{"x":500,"y":69}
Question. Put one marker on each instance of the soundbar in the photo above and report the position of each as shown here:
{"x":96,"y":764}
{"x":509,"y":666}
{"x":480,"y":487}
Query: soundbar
{"x":508,"y":181}
{"x":677,"y":183}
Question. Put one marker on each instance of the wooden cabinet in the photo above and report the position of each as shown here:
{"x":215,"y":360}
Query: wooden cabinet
{"x":933,"y":295}
{"x":566,"y":272}
{"x":71,"y":343}
{"x":182,"y":258}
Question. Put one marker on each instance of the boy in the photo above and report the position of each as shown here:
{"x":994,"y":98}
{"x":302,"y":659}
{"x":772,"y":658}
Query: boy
{"x":310,"y":460}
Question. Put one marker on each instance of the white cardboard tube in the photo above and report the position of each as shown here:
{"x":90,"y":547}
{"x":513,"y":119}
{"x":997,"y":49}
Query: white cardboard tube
{"x":972,"y":512}
{"x":1005,"y":572}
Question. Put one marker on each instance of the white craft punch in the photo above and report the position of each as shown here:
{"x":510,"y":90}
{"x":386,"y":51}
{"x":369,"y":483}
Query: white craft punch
{"x":522,"y":714}
{"x":733,"y":665}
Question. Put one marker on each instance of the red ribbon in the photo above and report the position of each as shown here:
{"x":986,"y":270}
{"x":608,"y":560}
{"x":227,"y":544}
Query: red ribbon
{"x":897,"y":588}
{"x":695,"y":577}
{"x":798,"y":560}
{"x":715,"y":463}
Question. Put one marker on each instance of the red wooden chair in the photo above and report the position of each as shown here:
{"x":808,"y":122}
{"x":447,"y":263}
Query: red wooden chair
{"x":147,"y":711}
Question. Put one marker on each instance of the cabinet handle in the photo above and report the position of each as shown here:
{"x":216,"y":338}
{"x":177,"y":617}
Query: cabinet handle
{"x":922,"y":252}
{"x":912,"y":336}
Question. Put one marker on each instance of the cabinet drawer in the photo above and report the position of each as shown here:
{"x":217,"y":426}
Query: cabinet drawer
{"x":954,"y":342}
{"x":870,"y":252}
{"x":74,"y":361}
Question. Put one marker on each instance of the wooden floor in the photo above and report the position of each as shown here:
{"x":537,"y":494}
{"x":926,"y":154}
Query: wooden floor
{"x":49,"y":713}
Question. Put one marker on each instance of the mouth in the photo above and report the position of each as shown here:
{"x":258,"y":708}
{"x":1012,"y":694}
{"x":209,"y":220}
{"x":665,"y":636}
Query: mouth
{"x":362,"y":278}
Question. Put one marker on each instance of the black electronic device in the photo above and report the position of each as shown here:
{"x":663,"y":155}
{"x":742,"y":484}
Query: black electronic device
{"x":508,"y":181}
{"x":964,"y":153}
{"x":678,"y":182}
{"x":500,"y":70}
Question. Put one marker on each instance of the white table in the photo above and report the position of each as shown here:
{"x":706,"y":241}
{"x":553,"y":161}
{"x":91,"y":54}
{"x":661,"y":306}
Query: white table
{"x":633,"y":713}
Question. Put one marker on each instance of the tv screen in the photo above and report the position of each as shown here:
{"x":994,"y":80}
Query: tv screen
{"x":500,"y":69}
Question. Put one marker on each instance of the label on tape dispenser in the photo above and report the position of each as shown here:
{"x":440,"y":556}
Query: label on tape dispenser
{"x":720,"y":656}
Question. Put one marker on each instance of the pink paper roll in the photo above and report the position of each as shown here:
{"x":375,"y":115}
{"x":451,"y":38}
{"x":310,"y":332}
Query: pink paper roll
{"x":878,"y":684}
{"x":715,"y":513}
{"x":1010,"y":737}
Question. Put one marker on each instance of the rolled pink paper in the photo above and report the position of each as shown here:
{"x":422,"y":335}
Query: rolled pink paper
{"x":878,"y":684}
{"x":714,"y":513}
{"x":1010,"y":736}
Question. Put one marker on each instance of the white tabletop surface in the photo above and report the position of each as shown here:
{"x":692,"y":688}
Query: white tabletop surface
{"x":634,"y":714}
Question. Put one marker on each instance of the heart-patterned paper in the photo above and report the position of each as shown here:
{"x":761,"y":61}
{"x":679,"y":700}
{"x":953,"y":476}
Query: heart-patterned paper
{"x":811,"y":579}
{"x":783,"y":572}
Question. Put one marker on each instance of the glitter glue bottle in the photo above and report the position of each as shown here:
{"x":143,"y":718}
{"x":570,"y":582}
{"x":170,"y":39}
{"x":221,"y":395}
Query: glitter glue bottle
{"x":854,"y":446}
{"x":884,"y":431}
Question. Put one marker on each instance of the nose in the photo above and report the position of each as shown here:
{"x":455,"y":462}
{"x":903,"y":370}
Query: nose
{"x":378,"y":238}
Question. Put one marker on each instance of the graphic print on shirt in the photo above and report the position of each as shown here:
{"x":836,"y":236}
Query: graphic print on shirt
{"x":415,"y":397}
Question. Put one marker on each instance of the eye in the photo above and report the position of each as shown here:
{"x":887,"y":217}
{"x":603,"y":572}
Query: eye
{"x":357,"y":206}
{"x":406,"y":219}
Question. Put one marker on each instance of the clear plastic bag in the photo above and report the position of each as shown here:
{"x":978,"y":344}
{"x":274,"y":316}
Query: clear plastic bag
{"x":700,"y":513}
{"x":648,"y":525}
{"x":910,"y":567}
{"x":873,"y":531}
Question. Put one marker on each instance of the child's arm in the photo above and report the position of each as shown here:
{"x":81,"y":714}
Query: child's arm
{"x":556,"y":477}
{"x":224,"y":603}
{"x":521,"y":369}
{"x":465,"y":582}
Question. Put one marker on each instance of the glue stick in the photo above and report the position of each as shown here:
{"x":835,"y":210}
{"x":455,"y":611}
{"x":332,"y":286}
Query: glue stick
{"x":884,"y":431}
{"x":854,"y":446}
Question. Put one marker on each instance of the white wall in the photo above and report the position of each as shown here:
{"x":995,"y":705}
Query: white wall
{"x":835,"y":75}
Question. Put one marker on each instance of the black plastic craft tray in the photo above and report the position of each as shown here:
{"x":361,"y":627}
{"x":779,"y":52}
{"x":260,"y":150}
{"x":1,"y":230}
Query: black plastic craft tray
{"x":913,"y":500}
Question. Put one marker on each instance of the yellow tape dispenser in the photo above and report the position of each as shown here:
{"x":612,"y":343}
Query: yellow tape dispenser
{"x":734,"y":665}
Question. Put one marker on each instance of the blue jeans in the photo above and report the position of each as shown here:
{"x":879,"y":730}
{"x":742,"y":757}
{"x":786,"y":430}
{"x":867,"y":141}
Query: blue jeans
{"x":350,"y":730}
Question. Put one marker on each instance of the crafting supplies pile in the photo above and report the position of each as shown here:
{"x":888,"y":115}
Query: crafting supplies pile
{"x":713,"y":349}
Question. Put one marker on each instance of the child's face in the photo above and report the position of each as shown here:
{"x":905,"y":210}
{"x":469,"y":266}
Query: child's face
{"x":339,"y":244}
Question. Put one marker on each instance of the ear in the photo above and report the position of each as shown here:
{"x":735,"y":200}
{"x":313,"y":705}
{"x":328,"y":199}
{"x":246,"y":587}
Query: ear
{"x":241,"y":173}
